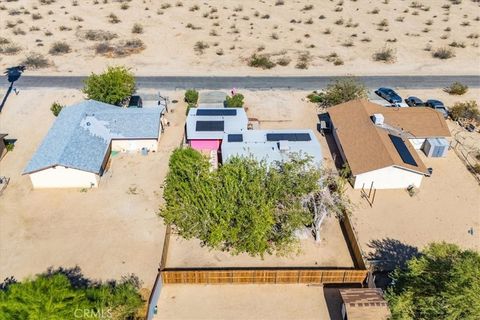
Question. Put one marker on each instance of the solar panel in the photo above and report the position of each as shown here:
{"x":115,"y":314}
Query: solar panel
{"x":216,"y":112}
{"x":209,"y":126}
{"x":235,"y":138}
{"x":288,"y":136}
{"x":402,"y":150}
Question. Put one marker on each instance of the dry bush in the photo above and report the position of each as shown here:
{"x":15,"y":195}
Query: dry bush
{"x":18,"y":31}
{"x":36,"y":60}
{"x":443,"y":53}
{"x":8,"y":48}
{"x":200,"y":47}
{"x":120,"y":49}
{"x":303,"y":60}
{"x":36,"y":16}
{"x":262,"y":61}
{"x":59,"y":48}
{"x":456,"y":88}
{"x":112,"y":18}
{"x":456,"y":44}
{"x":137,"y":28}
{"x":385,"y":54}
{"x":96,"y":35}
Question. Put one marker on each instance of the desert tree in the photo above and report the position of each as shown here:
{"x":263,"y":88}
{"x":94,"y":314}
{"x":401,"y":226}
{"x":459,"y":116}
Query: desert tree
{"x":112,"y":86}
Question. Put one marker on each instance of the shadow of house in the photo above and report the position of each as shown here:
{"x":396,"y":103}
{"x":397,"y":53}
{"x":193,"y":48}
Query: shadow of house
{"x":3,"y":145}
{"x":388,"y":254}
{"x":332,"y":145}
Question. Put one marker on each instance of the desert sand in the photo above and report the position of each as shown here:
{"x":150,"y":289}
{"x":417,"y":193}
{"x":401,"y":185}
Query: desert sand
{"x":263,"y":301}
{"x":231,"y":31}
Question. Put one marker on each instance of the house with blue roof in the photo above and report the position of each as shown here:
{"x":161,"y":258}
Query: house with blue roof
{"x":76,"y":149}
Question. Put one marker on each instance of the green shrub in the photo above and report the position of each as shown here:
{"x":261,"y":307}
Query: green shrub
{"x":339,"y":91}
{"x":456,"y":88}
{"x":56,"y":108}
{"x":315,"y":97}
{"x":191,"y":97}
{"x":61,"y":293}
{"x":235,"y":101}
{"x":112,"y":86}
{"x":476,"y":168}
{"x":261,"y":61}
{"x":10,"y":146}
{"x":468,"y":110}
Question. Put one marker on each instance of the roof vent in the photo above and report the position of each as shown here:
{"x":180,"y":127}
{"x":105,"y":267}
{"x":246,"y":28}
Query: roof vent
{"x":283,"y":145}
{"x":378,"y":118}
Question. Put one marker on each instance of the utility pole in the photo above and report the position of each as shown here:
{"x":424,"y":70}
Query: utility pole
{"x":13,"y":74}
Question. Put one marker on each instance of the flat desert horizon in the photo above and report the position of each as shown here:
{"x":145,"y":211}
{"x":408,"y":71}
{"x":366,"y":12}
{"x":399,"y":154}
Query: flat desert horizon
{"x":341,"y":37}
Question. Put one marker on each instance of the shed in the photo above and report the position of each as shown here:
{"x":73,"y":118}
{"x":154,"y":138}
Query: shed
{"x":364,"y":304}
{"x":76,"y":149}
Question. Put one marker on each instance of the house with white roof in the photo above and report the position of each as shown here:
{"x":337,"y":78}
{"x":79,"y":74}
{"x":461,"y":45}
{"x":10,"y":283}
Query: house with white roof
{"x":272,"y":146}
{"x":76,"y":149}
{"x":206,"y":127}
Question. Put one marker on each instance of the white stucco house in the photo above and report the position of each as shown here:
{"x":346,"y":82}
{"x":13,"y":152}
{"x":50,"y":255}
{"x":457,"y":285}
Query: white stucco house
{"x":76,"y":149}
{"x":380,"y":143}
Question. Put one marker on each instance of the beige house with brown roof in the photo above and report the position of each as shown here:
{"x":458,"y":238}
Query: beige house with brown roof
{"x":380,"y":143}
{"x":364,"y":304}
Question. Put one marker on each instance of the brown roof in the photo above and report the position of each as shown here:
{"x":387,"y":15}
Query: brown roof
{"x":368,"y":147}
{"x":365,"y":304}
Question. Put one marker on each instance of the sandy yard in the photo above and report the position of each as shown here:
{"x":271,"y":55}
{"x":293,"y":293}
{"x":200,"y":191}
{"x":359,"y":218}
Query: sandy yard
{"x":248,"y":302}
{"x":231,"y":31}
{"x":108,"y":232}
{"x":446,"y":207}
{"x":332,"y":251}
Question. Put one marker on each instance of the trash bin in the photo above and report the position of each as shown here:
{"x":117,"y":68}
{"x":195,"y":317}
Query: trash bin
{"x":144,"y":151}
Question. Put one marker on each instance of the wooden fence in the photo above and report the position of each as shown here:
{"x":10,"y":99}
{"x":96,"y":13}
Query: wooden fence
{"x":272,"y":276}
{"x":352,"y":242}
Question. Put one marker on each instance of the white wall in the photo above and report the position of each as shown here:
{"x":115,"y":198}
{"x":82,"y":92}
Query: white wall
{"x":388,"y":178}
{"x":417,"y":143}
{"x":134,"y":145}
{"x":61,"y":177}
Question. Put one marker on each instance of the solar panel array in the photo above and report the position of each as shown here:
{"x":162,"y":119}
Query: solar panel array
{"x":288,"y":136}
{"x":210,"y":126}
{"x":216,"y":112}
{"x":235,"y":138}
{"x":402,"y":150}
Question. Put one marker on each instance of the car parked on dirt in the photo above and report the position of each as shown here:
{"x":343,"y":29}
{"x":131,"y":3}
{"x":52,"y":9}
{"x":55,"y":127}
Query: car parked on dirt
{"x":414,"y":102}
{"x":389,"y":94}
{"x":438,"y":106}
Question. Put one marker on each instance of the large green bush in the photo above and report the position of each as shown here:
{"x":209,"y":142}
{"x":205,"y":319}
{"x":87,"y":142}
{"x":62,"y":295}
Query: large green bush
{"x":65,"y":294}
{"x":442,"y":283}
{"x":113,"y":86}
{"x":235,"y":101}
{"x":339,"y":91}
{"x":244,"y":206}
{"x":191,"y":97}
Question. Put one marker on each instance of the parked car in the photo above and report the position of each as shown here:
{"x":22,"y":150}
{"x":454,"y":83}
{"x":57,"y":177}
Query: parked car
{"x":389,"y":94}
{"x":414,"y":102}
{"x":135,"y":102}
{"x":437,"y":105}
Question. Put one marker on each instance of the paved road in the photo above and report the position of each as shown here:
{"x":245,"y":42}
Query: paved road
{"x":253,"y":83}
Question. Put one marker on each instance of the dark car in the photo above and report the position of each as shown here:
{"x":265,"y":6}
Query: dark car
{"x":135,"y":102}
{"x":414,"y":102}
{"x":389,"y":94}
{"x":437,"y":105}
